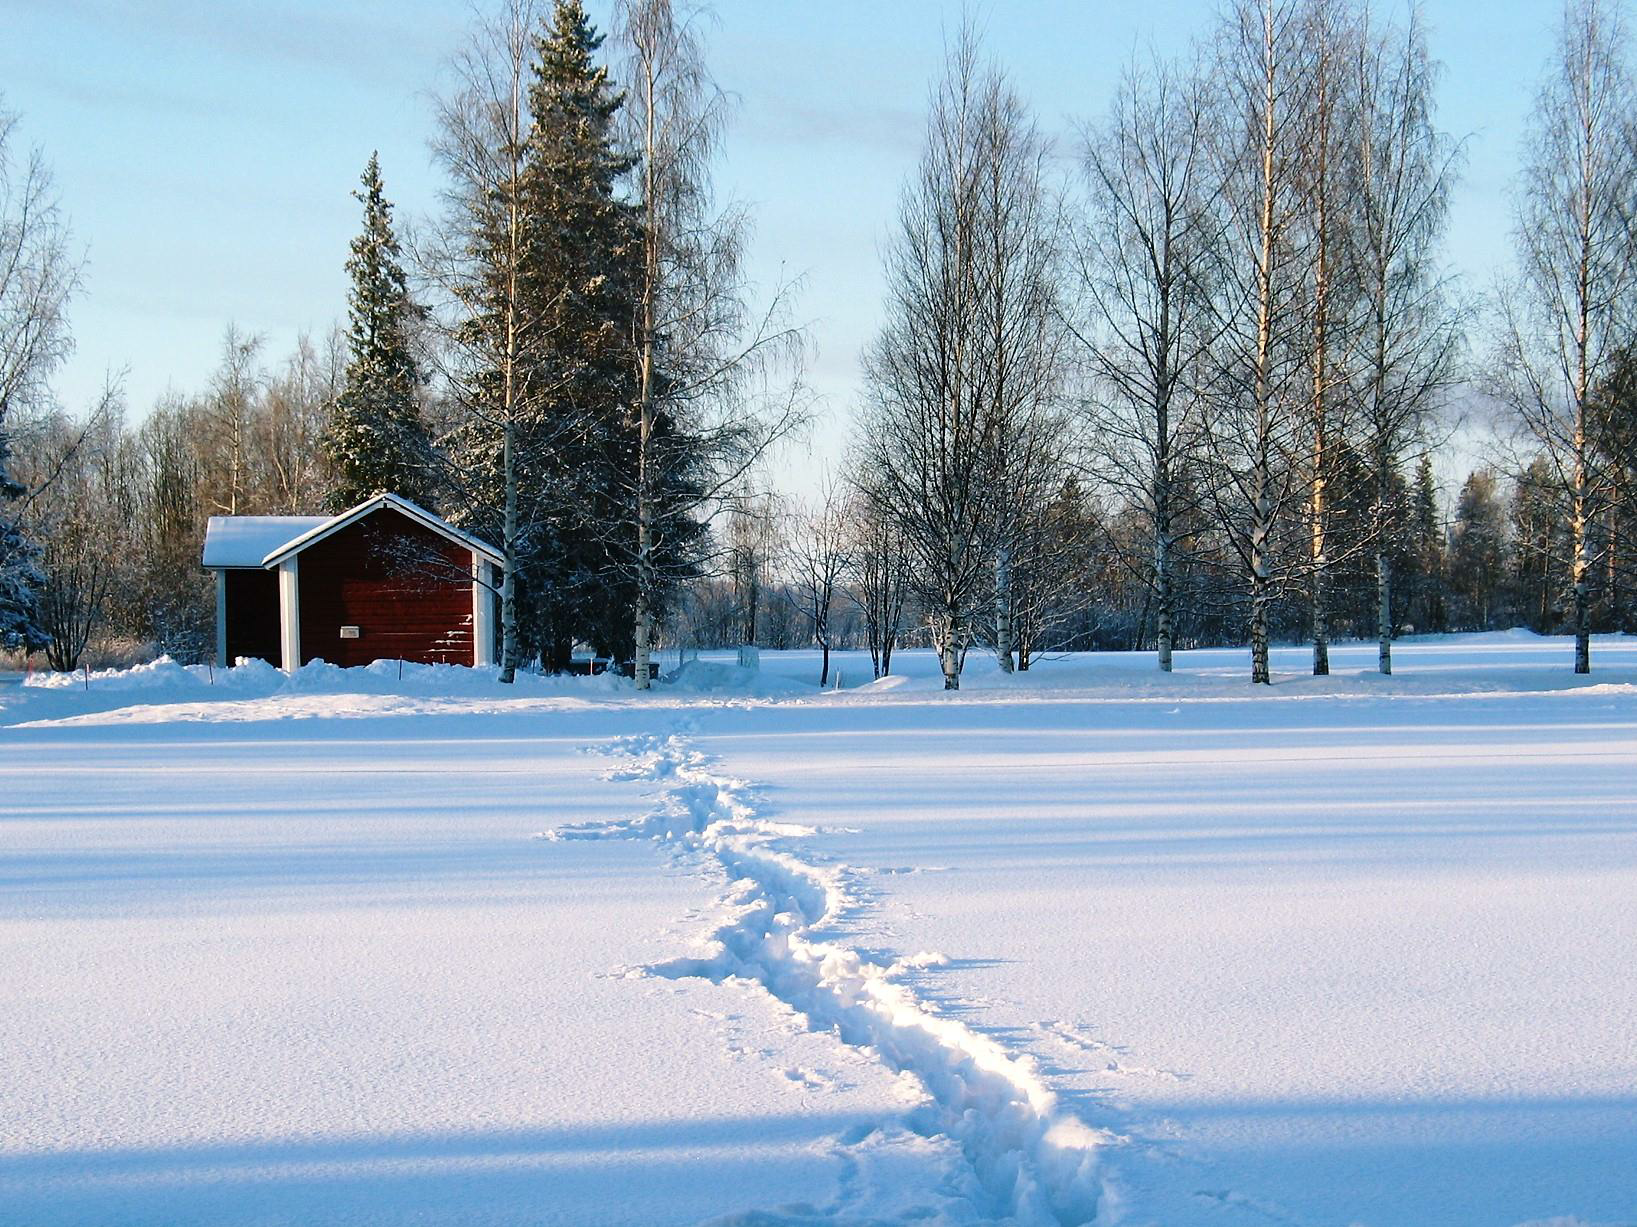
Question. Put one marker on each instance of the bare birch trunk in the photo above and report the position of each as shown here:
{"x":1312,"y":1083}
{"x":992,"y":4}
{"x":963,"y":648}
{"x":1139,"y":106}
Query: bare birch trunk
{"x":1582,"y":562}
{"x":509,"y":650}
{"x":643,"y":610}
{"x":1261,"y":511}
{"x":237,"y":476}
{"x":1384,"y":577}
{"x":642,"y":651}
{"x":1581,"y":567}
{"x":1320,"y":597}
{"x":1162,"y":598}
{"x":1260,"y":674}
{"x":1612,"y":563}
{"x":1319,"y":560}
{"x":950,"y":661}
{"x":1164,"y":629}
{"x":1003,"y":608}
{"x":949,"y":652}
{"x":509,"y":647}
{"x":1582,"y":389}
{"x":1259,"y":595}
{"x":1259,"y":598}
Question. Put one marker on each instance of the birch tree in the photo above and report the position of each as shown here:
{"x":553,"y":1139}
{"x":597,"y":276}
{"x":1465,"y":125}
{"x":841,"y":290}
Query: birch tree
{"x":1408,"y":329}
{"x":1146,"y":256}
{"x":175,"y":596}
{"x":1254,"y":429}
{"x":1020,"y":297}
{"x":1614,"y":436}
{"x":1570,"y":308}
{"x":818,"y":559}
{"x":1542,"y":546}
{"x":295,"y":409}
{"x":1321,"y":155}
{"x":1056,"y":578}
{"x":231,"y":407}
{"x":876,"y":580}
{"x":961,"y":378}
{"x":478,"y":262}
{"x":754,"y":525}
{"x":926,"y":437}
{"x":81,"y":512}
{"x":716,"y":381}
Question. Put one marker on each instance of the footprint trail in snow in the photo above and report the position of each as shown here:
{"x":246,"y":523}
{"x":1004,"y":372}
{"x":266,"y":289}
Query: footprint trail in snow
{"x":1034,"y":1162}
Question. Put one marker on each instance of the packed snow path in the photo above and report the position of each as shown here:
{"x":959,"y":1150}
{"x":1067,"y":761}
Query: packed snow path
{"x":1034,"y":1164}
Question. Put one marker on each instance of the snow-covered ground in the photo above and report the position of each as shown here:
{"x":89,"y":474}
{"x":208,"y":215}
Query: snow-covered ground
{"x":1089,"y":944}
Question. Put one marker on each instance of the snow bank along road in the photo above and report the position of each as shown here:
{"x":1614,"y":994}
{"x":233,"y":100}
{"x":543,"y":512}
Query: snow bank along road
{"x":1088,"y":946}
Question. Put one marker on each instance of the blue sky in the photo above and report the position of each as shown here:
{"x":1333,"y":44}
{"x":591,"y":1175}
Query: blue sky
{"x":205,"y":148}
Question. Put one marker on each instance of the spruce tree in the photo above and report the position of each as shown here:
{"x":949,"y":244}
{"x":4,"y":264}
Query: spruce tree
{"x":20,"y":577}
{"x":547,"y":437}
{"x":1478,"y":552}
{"x":376,"y":440}
{"x":579,"y":272}
{"x":1428,"y":547}
{"x":571,"y":338}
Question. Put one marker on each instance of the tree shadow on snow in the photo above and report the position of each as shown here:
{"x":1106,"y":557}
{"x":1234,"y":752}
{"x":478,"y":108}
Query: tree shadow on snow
{"x":653,"y":1172}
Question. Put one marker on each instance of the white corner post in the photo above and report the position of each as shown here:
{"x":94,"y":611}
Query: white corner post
{"x":290,"y":613}
{"x":222,"y":662}
{"x":483,"y":613}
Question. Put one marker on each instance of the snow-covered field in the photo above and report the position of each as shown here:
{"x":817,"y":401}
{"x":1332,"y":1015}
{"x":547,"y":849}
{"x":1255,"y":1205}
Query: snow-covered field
{"x":1085,"y":945}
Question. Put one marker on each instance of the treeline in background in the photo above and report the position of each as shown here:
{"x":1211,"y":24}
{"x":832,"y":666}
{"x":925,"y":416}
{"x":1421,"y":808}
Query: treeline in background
{"x":1194,"y":378}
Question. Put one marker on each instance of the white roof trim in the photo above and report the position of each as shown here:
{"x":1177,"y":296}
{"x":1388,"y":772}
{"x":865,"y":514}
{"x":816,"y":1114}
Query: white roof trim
{"x":334,"y":525}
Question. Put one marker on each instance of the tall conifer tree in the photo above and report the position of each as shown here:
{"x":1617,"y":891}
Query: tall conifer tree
{"x":20,"y":577}
{"x":376,"y":440}
{"x":578,"y":274}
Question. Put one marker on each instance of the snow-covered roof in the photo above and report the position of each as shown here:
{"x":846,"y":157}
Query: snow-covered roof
{"x":437,"y":524}
{"x":243,"y":541}
{"x":265,"y":541}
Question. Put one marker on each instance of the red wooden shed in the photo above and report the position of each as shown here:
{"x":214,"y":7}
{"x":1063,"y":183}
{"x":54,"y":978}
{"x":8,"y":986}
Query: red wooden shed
{"x":386,"y":580}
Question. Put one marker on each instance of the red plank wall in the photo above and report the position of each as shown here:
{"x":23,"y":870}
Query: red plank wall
{"x":398,"y":582}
